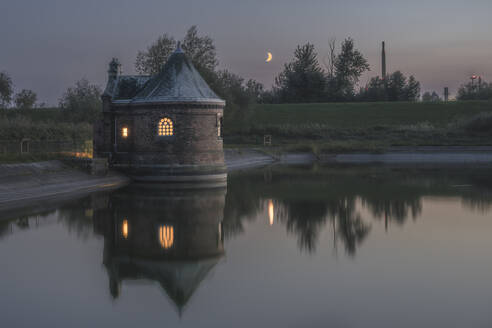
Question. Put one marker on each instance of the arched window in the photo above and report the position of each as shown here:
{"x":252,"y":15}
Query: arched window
{"x":166,"y":127}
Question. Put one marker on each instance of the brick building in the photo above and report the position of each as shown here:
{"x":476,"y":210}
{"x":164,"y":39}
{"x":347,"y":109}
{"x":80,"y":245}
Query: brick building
{"x":162,"y":128}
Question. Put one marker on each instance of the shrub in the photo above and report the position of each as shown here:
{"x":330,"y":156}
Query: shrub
{"x":479,"y":124}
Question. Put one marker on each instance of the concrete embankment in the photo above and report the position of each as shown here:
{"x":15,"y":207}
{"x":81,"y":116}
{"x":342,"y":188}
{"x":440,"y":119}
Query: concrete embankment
{"x":237,"y":159}
{"x":441,"y":156}
{"x":29,"y":183}
{"x":437,"y":156}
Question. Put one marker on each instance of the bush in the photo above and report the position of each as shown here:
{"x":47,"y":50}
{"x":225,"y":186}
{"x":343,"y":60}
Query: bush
{"x":19,"y":127}
{"x":479,"y":124}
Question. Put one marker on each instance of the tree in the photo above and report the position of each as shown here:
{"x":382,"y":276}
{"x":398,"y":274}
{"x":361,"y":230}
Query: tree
{"x":255,"y":90}
{"x":151,"y":61}
{"x":6,"y":89}
{"x":375,"y":90}
{"x":230,"y":87}
{"x":199,"y":49}
{"x":302,"y":80}
{"x":430,"y":97}
{"x":349,"y":66}
{"x":396,"y":87}
{"x":473,"y":91}
{"x":329,"y":59}
{"x":82,"y":102}
{"x":412,"y":89}
{"x":25,"y":99}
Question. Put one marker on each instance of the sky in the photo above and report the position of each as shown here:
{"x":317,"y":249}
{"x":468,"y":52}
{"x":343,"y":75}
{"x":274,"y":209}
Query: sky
{"x":48,"y":45}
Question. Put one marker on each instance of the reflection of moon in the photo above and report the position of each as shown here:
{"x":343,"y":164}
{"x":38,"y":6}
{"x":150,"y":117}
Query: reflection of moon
{"x":269,"y":59}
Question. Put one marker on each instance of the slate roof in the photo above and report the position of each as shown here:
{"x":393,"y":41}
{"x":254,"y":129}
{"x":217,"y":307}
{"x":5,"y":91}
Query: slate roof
{"x":178,"y":81}
{"x":125,"y":87}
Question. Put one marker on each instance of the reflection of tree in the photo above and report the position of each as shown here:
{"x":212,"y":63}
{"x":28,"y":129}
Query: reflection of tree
{"x":23,"y":222}
{"x":350,"y":227}
{"x":478,"y":199}
{"x":78,"y":219}
{"x":305,"y":219}
{"x":397,"y":209}
{"x":242,"y":204}
{"x":312,"y":198}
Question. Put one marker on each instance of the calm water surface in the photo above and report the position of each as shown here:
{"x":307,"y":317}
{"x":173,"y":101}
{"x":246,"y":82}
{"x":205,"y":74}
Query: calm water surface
{"x":281,"y":247}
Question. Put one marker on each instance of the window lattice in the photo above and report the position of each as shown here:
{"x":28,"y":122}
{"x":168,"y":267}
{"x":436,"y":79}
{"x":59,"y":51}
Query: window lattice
{"x":166,"y":127}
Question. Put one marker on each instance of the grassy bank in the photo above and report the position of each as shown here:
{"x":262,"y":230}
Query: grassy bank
{"x":340,"y":127}
{"x":42,"y":134}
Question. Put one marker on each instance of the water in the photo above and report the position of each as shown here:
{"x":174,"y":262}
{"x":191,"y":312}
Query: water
{"x":283,"y":247}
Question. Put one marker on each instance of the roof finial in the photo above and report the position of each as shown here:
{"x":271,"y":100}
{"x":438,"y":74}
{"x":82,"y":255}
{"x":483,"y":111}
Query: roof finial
{"x":178,"y":48}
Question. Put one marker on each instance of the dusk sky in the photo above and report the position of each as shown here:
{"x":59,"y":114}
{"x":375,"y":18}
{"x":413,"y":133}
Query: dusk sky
{"x":48,"y":45}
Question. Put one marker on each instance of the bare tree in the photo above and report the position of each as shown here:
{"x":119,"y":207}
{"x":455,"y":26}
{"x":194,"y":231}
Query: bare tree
{"x":329,"y":59}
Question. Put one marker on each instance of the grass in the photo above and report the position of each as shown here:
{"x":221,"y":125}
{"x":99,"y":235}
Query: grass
{"x":28,"y":158}
{"x":362,"y":115}
{"x":346,"y":127}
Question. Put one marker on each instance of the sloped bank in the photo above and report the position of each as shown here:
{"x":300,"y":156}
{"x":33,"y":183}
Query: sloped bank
{"x":38,"y":184}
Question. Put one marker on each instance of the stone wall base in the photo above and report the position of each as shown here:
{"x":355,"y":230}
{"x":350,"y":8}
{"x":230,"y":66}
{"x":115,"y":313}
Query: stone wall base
{"x":179,"y":176}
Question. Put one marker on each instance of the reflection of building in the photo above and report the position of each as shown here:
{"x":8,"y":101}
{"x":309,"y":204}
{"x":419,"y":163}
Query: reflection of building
{"x":174,"y":238}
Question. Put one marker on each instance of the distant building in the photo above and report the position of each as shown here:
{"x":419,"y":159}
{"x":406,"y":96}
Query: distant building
{"x":162,"y":128}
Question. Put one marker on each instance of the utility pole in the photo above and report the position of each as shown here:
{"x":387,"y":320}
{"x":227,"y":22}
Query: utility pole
{"x":446,"y":94}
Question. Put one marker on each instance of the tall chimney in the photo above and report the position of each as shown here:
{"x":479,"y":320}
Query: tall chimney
{"x":383,"y":63}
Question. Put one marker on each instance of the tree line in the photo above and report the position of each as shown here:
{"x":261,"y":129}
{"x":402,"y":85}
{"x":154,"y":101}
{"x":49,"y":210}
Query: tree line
{"x":24,"y":99}
{"x":302,"y":80}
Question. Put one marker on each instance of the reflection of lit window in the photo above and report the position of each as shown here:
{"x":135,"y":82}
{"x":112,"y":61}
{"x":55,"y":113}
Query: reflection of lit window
{"x":270,"y":211}
{"x":124,"y":229}
{"x":166,"y":236}
{"x":166,"y":127}
{"x":124,"y":132}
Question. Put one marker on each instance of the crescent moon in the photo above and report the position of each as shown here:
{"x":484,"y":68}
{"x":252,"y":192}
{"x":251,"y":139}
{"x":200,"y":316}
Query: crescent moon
{"x":270,"y":56}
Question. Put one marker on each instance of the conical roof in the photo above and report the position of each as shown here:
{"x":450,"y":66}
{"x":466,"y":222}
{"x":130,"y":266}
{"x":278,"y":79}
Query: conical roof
{"x":178,"y":81}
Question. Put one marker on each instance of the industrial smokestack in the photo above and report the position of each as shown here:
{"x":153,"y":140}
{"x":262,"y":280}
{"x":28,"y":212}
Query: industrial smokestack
{"x":383,"y":63}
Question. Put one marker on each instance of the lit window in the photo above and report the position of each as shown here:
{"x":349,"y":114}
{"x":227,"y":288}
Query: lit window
{"x":124,"y":132}
{"x":166,"y":127}
{"x":166,"y":236}
{"x":124,"y":229}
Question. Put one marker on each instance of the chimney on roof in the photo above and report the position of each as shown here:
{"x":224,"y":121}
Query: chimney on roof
{"x":114,"y":65}
{"x":383,"y":62}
